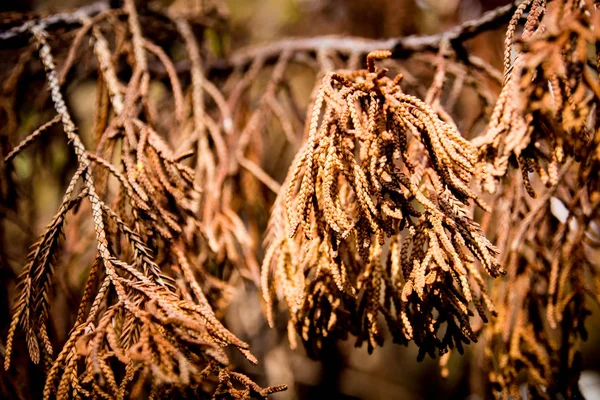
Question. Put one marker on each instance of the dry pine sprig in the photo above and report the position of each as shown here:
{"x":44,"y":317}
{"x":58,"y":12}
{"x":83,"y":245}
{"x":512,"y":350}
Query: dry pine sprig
{"x":549,"y":87}
{"x":547,"y":115}
{"x":374,"y":220}
{"x":141,"y":327}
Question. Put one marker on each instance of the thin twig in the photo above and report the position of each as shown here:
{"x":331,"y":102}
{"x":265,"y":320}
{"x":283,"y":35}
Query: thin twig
{"x":260,"y":174}
{"x":31,"y":138}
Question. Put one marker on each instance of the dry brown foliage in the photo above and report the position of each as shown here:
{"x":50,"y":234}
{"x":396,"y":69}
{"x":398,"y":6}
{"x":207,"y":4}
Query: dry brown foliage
{"x":378,"y":162}
{"x":144,"y":323}
{"x":546,"y":118}
{"x":389,"y":215}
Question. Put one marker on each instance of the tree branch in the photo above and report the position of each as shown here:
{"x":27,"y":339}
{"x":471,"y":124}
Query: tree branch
{"x":400,"y":46}
{"x":66,"y":18}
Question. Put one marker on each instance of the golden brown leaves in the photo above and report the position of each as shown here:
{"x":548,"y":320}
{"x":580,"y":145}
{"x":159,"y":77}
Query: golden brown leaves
{"x":146,"y":322}
{"x":542,"y":115}
{"x":546,"y":116}
{"x":377,"y":163}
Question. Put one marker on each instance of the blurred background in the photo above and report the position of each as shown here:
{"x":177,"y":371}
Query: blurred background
{"x":391,"y":372}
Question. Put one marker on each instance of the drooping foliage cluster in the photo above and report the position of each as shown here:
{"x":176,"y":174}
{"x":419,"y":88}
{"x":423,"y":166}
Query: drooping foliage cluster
{"x":407,"y":211}
{"x":378,"y":162}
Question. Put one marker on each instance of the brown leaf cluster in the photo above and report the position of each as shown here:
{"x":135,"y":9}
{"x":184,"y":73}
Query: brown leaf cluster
{"x":146,"y":323}
{"x":380,"y":223}
{"x":374,"y":221}
{"x":541,"y":116}
{"x":546,"y":117}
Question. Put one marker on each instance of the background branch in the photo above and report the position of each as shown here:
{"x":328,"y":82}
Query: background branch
{"x":55,"y":20}
{"x":399,"y":46}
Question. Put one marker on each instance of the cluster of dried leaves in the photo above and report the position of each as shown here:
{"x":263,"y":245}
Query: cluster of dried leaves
{"x":377,"y":163}
{"x":545,"y":119}
{"x":167,"y":240}
{"x":376,"y":221}
{"x":542,"y":114}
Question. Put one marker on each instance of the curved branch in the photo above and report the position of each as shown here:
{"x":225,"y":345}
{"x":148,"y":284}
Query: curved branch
{"x":399,"y":46}
{"x":66,"y":18}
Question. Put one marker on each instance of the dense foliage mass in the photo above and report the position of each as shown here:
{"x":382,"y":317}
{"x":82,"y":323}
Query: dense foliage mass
{"x":406,"y":213}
